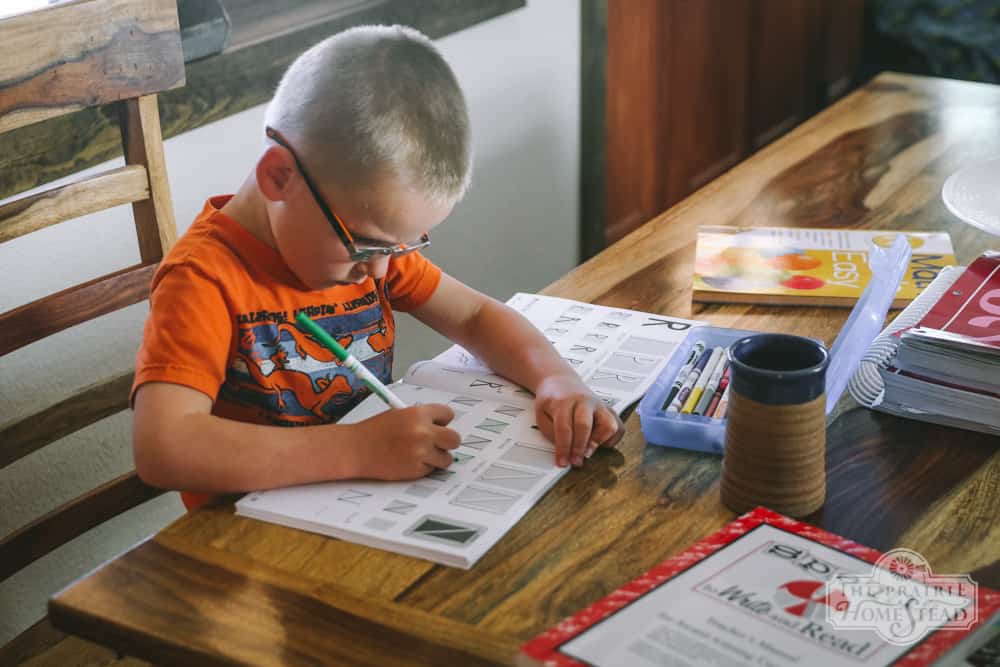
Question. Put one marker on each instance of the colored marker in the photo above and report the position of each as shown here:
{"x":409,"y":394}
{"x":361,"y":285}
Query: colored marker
{"x":689,"y":381}
{"x":350,"y":361}
{"x":682,"y":374}
{"x":699,"y":386}
{"x":712,"y":385}
{"x":723,"y":383}
{"x":720,"y":412}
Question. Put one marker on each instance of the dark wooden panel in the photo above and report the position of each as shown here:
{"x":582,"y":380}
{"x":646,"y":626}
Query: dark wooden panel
{"x":280,"y":620}
{"x":783,"y":61}
{"x":72,"y":520}
{"x":216,"y":87}
{"x":593,"y":79}
{"x":90,"y":405}
{"x":637,"y":57}
{"x":676,"y":90}
{"x":132,"y":48}
{"x":844,"y":35}
{"x":51,"y":314}
{"x":706,"y":93}
{"x":693,"y":87}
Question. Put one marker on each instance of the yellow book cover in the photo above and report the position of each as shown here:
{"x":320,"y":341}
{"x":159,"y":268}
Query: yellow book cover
{"x":809,"y":267}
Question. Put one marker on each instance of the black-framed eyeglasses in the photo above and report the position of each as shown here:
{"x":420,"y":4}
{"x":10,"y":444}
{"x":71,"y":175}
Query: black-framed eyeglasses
{"x":361,"y":249}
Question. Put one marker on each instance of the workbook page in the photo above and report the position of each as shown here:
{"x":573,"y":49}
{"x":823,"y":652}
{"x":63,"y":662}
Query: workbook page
{"x":618,"y":352}
{"x":451,"y":516}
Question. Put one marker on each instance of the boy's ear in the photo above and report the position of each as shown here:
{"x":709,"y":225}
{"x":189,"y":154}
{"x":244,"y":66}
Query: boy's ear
{"x":275,"y":172}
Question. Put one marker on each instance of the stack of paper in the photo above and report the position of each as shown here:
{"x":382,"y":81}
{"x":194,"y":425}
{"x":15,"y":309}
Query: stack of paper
{"x":950,"y":359}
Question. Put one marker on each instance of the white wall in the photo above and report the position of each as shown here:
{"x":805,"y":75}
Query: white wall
{"x":516,"y":230}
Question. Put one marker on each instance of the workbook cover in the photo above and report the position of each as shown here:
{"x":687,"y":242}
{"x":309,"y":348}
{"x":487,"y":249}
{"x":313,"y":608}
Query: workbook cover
{"x":808,"y":267}
{"x":769,"y":590}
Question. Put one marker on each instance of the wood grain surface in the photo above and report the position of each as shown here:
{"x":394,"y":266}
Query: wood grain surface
{"x":71,"y":306}
{"x":133,"y":48}
{"x":228,"y":589}
{"x":114,"y":187}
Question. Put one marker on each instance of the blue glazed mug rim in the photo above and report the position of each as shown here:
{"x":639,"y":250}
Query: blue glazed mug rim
{"x":779,"y":386}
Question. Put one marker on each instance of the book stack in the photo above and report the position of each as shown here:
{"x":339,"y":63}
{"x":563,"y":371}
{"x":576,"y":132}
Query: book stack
{"x":940,"y":360}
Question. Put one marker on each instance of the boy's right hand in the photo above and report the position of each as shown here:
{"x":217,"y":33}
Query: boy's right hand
{"x":407,"y":443}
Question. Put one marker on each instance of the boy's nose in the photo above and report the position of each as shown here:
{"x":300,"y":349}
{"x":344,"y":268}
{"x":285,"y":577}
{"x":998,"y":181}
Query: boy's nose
{"x":376,"y":267}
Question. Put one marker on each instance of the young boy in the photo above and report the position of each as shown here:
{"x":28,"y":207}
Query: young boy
{"x":368,"y":150}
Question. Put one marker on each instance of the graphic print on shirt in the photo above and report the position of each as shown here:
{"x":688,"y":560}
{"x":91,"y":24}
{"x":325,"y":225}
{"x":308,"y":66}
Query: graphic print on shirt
{"x":291,"y":379}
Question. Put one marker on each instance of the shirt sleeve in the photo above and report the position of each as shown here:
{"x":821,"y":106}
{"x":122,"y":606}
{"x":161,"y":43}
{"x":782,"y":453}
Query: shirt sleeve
{"x":411,"y":279}
{"x":188,"y":334}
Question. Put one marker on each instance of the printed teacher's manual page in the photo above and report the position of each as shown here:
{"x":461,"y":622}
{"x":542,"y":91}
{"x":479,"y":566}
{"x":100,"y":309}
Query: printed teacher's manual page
{"x":504,"y":464}
{"x":771,"y":591}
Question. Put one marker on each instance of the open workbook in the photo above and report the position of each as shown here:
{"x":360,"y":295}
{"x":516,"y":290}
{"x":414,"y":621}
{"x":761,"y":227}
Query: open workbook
{"x":504,"y":464}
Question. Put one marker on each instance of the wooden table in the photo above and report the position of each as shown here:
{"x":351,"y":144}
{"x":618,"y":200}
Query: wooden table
{"x":215,"y":588}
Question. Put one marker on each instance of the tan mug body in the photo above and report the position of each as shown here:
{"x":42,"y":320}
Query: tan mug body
{"x":775,"y":443}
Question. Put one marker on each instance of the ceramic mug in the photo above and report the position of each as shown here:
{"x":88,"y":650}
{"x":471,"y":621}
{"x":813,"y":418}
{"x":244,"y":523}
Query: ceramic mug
{"x":775,"y":443}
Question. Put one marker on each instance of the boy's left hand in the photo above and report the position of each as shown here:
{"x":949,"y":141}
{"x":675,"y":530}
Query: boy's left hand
{"x":569,"y":415}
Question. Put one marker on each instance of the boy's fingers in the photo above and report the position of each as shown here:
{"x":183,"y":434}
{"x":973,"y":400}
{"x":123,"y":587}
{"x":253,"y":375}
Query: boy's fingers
{"x":618,"y":434}
{"x":447,"y":438}
{"x":607,"y":427}
{"x":562,"y":429}
{"x":439,"y":458}
{"x":608,"y":431}
{"x":439,"y":413}
{"x":583,"y":423}
{"x":547,"y":428}
{"x":544,"y":423}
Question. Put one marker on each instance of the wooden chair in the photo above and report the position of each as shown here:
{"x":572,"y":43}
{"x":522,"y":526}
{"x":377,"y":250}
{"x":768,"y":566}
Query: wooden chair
{"x":54,"y":61}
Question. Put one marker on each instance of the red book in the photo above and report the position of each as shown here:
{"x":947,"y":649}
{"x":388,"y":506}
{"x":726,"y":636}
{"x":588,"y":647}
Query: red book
{"x":770,"y":590}
{"x":969,"y":312}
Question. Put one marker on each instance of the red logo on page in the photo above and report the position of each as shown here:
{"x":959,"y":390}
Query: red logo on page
{"x":806,"y":598}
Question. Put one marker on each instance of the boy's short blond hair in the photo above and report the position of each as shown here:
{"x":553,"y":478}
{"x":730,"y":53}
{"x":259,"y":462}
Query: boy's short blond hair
{"x":377,"y":101}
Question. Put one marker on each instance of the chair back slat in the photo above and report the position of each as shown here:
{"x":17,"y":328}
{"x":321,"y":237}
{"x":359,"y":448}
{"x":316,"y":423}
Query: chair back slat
{"x":52,"y":314}
{"x":87,"y":195}
{"x":143,"y":145}
{"x":72,"y":520}
{"x":88,"y":406}
{"x":93,"y":53}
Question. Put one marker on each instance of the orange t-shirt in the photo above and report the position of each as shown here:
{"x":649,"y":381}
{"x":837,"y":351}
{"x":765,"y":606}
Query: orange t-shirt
{"x":222,"y":321}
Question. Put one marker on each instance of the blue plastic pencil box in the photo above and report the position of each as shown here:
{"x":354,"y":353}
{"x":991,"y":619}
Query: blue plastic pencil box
{"x":704,"y":434}
{"x":673,"y":429}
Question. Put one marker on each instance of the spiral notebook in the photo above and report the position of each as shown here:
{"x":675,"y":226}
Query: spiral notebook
{"x":882,"y":383}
